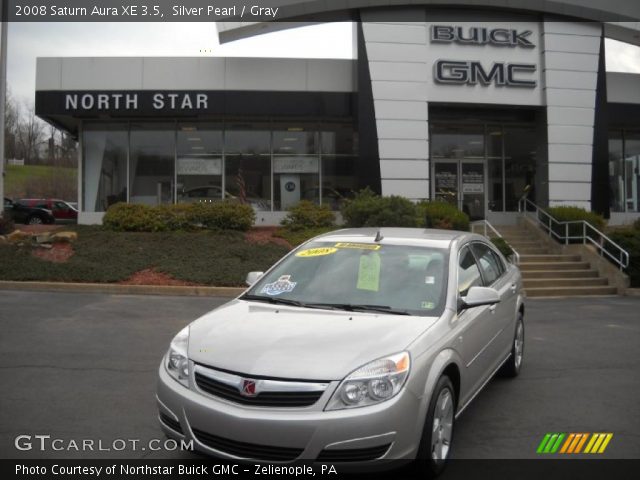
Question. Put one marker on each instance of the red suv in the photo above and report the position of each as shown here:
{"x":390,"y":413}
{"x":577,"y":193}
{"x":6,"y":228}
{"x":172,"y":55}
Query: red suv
{"x":61,"y":210}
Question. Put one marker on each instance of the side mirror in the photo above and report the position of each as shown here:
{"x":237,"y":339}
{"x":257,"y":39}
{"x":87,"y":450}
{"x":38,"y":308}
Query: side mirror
{"x":252,"y":277}
{"x":478,"y":296}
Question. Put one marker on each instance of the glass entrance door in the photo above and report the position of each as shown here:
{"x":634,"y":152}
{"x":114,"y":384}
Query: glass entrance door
{"x":461,"y":183}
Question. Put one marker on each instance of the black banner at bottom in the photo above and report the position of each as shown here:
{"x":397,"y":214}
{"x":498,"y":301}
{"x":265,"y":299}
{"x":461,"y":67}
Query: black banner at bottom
{"x":533,"y":469}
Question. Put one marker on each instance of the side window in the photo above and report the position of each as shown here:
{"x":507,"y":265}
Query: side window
{"x":468,"y":272}
{"x":492,"y":267}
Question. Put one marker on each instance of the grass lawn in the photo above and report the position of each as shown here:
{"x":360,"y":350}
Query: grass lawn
{"x":16,"y":176}
{"x":208,"y":258}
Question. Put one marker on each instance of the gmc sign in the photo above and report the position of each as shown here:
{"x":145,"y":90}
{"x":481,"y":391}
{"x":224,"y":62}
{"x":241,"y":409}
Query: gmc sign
{"x":457,"y":72}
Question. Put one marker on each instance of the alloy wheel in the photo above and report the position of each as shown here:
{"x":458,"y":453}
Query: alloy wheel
{"x":442,"y":428}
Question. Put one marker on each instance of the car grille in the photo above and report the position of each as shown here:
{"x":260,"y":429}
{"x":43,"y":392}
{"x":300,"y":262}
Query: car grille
{"x":171,"y":423}
{"x":289,"y":397}
{"x":247,"y":450}
{"x":353,"y":454}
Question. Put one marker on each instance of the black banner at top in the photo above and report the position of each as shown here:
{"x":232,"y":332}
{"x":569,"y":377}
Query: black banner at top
{"x":299,"y":10}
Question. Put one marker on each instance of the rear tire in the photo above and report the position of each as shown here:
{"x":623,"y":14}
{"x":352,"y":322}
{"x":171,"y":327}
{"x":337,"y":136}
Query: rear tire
{"x":437,"y":434}
{"x":35,"y":220}
{"x":512,"y":366}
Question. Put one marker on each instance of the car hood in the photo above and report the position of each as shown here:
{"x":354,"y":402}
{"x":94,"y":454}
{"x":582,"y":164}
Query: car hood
{"x":259,"y":339}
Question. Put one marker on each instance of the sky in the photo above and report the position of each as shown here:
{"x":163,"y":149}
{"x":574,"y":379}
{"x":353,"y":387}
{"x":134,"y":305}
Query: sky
{"x":332,"y":40}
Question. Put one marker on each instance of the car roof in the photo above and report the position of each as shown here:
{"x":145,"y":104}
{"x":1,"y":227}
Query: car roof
{"x":401,"y":236}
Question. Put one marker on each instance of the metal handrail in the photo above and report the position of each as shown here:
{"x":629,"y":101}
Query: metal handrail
{"x":589,"y":233}
{"x":486,"y":224}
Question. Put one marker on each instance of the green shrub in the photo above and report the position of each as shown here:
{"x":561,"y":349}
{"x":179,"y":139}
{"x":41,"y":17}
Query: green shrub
{"x":126,"y":217}
{"x":629,"y":239}
{"x":502,"y":245}
{"x":569,"y":214}
{"x":306,"y":215}
{"x":228,"y":215}
{"x":442,"y":215}
{"x":367,"y":209}
{"x":636,"y":224}
{"x":6,"y":224}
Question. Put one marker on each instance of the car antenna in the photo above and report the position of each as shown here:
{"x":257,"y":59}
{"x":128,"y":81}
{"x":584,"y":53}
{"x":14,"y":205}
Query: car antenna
{"x":378,"y":237}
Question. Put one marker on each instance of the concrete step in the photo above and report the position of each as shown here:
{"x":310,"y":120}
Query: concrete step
{"x":564,"y":282}
{"x":570,"y":291}
{"x":519,"y":238}
{"x":549,"y":258}
{"x":533,"y":274}
{"x":526,"y":244}
{"x":531,"y":250}
{"x":529,"y":266}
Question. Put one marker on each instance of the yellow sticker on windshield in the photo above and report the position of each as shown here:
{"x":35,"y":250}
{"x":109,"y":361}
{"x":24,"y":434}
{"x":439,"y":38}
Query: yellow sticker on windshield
{"x":369,"y":272}
{"x":316,"y":252}
{"x":361,"y":246}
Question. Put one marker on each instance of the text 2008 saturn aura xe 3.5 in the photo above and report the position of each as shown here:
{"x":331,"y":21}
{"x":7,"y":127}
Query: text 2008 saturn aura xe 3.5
{"x":361,"y":345}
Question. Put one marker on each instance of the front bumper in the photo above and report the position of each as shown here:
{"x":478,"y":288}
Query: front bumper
{"x":306,"y":433}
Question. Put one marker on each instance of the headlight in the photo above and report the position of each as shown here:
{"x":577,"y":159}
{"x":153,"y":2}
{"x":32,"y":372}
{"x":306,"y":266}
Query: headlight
{"x":177,"y":360}
{"x":372,"y":383}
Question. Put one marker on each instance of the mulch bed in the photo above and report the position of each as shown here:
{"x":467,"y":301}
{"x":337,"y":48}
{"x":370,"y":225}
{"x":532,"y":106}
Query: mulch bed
{"x":58,"y":253}
{"x":150,"y":277}
{"x":262,"y":235}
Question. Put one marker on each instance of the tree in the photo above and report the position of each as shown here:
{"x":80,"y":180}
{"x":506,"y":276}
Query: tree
{"x":30,"y":135}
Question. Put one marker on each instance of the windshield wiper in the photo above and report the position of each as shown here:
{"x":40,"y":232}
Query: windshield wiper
{"x":360,"y":308}
{"x":279,"y":301}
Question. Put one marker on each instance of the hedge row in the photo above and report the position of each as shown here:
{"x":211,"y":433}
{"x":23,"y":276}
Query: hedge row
{"x":367,"y":209}
{"x":226,"y":215}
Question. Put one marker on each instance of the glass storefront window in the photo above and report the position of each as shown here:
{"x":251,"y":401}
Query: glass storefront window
{"x":632,"y":170}
{"x":248,"y":179}
{"x":269,"y":166}
{"x":295,"y":139}
{"x":339,"y":140}
{"x":520,"y":154}
{"x":457,"y":141}
{"x":151,"y":163}
{"x":104,"y":166}
{"x":508,"y":151}
{"x":624,"y":170}
{"x":339,"y":180}
{"x":295,"y":177}
{"x":199,"y":162}
{"x":616,"y":172}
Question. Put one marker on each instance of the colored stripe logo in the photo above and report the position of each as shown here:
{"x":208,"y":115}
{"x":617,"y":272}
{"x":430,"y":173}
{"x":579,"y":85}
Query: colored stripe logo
{"x":572,"y":443}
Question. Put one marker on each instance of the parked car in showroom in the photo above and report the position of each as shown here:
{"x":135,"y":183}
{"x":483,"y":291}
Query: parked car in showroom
{"x":212,"y":193}
{"x":62,"y":211}
{"x":29,"y":215}
{"x":361,"y":345}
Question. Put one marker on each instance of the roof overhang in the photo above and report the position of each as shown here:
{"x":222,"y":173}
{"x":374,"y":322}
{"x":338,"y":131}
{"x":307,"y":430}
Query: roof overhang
{"x":621,"y":17}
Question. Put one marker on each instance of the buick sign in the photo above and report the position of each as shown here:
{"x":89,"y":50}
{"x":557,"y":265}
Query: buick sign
{"x":501,"y":37}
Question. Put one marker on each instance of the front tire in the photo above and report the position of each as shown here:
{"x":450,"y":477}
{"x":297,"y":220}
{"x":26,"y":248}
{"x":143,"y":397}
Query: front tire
{"x":437,"y":435}
{"x":35,"y":220}
{"x":512,"y":366}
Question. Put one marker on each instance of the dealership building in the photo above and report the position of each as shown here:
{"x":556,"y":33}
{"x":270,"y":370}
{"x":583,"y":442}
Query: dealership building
{"x":477,"y":106}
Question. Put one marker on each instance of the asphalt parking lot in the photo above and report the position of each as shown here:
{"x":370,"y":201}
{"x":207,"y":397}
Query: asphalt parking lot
{"x":83,"y":366}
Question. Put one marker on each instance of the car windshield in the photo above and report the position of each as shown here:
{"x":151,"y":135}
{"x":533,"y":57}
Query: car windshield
{"x":394,"y":279}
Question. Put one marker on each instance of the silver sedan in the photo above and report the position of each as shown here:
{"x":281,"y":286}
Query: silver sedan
{"x":360,"y":345}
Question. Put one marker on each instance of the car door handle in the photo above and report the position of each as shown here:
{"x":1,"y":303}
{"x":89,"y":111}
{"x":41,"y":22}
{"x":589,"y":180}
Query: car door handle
{"x":492,"y":308}
{"x":513,"y":287}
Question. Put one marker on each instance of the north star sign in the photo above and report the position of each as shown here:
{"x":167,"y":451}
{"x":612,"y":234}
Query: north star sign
{"x":131,"y":101}
{"x":461,"y":72}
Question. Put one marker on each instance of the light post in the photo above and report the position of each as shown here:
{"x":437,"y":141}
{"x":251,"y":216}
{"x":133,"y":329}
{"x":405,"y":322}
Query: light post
{"x":3,"y":93}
